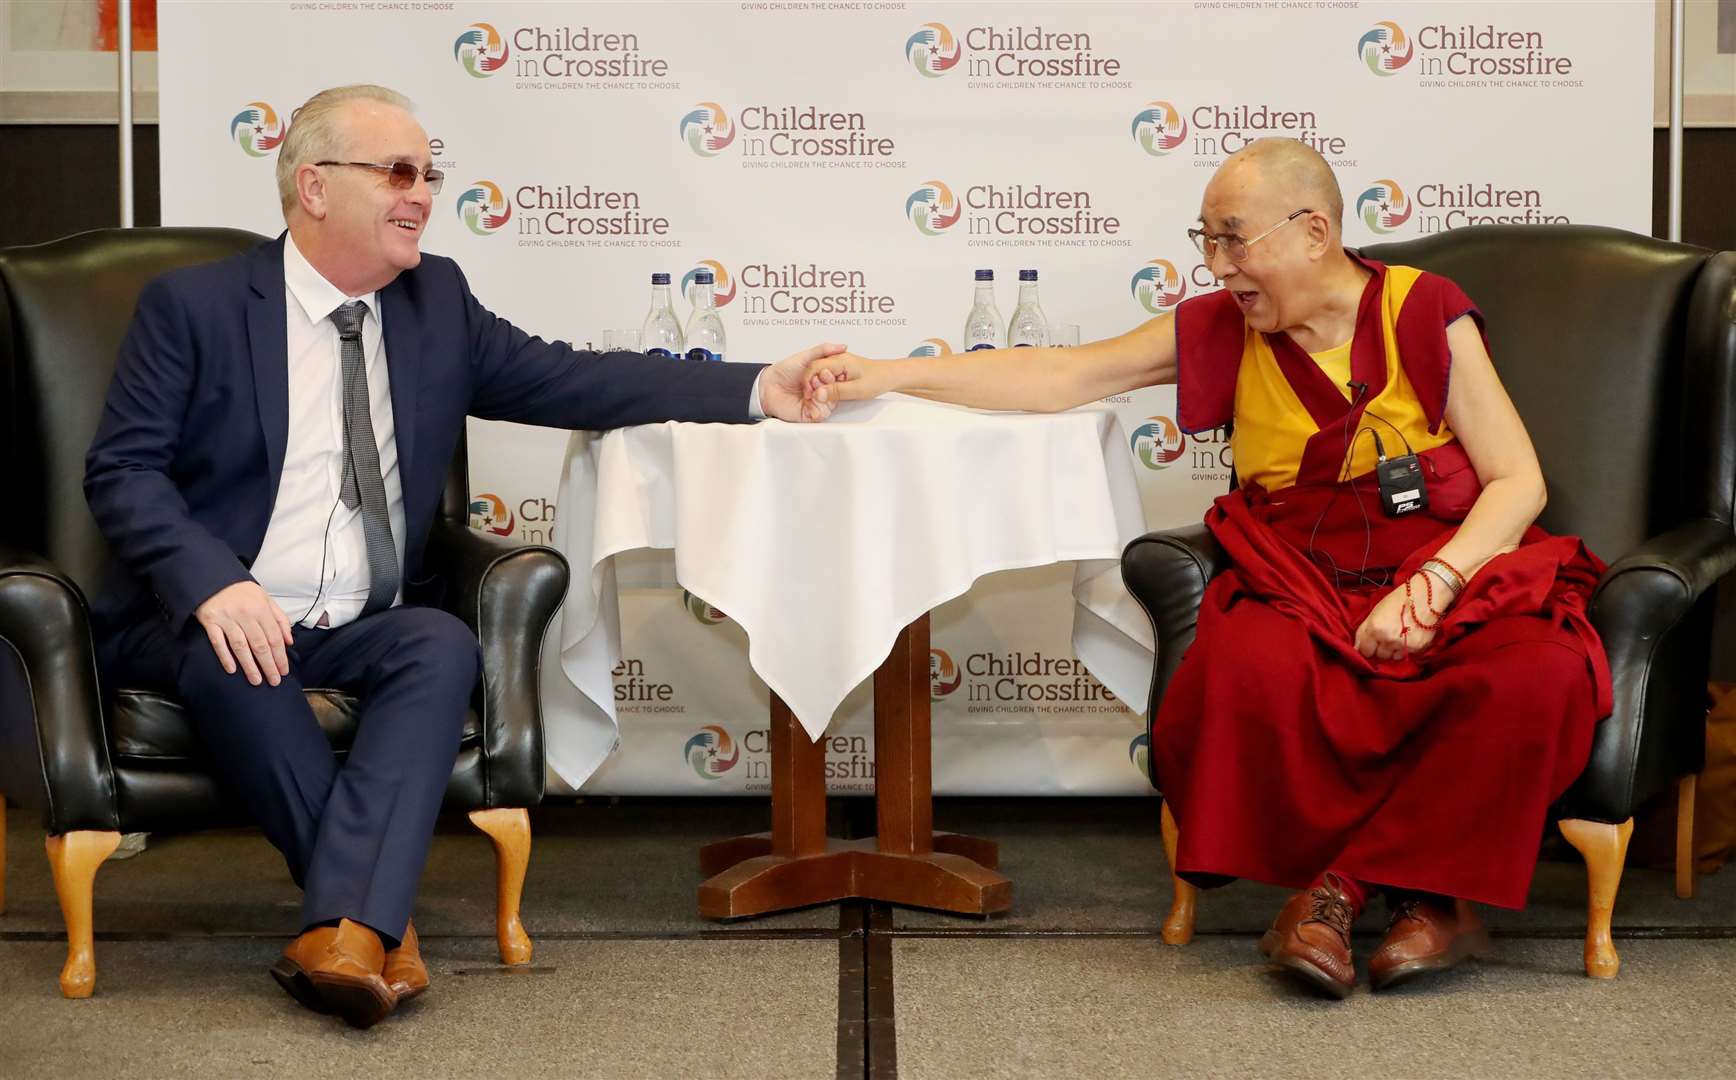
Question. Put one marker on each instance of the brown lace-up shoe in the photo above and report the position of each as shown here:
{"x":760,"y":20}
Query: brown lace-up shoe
{"x":1426,"y":935}
{"x":1310,"y":939}
{"x":336,"y":969}
{"x":404,"y":971}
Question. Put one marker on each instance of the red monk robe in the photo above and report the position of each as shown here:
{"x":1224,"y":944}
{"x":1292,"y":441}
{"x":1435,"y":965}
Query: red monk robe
{"x":1282,"y":751}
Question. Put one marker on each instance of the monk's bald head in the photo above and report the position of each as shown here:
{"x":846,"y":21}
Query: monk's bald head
{"x":1287,"y":260}
{"x":1286,"y":173}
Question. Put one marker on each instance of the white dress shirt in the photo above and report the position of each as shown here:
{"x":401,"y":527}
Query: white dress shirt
{"x":314,"y":561}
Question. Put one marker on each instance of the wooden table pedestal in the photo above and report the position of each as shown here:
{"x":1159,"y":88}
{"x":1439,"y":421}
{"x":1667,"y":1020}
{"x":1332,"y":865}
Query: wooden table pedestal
{"x":907,"y":862}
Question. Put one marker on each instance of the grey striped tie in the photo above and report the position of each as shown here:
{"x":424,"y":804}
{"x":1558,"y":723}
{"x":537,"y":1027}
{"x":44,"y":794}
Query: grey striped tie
{"x":362,"y":484}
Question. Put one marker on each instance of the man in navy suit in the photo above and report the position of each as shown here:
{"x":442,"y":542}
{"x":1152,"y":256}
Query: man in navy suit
{"x":267,"y":467}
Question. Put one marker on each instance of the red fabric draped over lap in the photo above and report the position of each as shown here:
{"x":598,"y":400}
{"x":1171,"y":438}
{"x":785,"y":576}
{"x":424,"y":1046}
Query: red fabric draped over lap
{"x":1283,"y":751}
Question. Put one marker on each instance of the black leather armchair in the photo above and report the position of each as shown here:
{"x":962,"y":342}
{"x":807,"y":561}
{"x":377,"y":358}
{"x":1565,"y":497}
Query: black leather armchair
{"x":103,"y":760}
{"x":1620,"y":353}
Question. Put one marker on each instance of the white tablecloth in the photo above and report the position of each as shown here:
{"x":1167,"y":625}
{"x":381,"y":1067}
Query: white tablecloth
{"x":824,"y":540}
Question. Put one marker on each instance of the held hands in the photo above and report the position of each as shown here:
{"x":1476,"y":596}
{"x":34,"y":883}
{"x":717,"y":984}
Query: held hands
{"x":845,"y":377}
{"x":247,"y":629}
{"x":784,"y":392}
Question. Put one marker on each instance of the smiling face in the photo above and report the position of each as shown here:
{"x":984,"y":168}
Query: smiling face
{"x":1250,"y":193}
{"x":364,"y":231}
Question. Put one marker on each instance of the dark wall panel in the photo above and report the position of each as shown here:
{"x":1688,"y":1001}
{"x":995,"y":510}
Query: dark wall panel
{"x":1708,"y":186}
{"x":57,"y":179}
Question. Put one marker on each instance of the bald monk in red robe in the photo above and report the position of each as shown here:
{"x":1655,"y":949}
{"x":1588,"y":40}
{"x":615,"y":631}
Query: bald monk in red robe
{"x":1374,"y":701}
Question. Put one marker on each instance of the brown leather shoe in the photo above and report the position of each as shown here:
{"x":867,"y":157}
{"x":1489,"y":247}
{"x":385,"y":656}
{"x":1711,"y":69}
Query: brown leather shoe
{"x":1310,"y":939}
{"x":336,"y":969}
{"x":404,"y":971}
{"x":1423,"y":936}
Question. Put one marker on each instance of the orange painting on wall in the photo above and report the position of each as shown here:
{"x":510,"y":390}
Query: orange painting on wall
{"x":108,"y":34}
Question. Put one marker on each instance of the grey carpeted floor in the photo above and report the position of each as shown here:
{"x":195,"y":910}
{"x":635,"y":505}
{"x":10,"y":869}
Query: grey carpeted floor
{"x":1106,"y":1008}
{"x":629,"y":982}
{"x":743,"y":1008}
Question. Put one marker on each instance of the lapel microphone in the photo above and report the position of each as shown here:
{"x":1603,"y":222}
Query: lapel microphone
{"x":1402,"y":487}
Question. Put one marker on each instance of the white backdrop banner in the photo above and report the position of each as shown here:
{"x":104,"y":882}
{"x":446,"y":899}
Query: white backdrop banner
{"x":843,"y":168}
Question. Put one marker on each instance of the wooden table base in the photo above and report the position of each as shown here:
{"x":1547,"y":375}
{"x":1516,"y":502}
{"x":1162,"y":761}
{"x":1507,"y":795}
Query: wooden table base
{"x":907,"y":863}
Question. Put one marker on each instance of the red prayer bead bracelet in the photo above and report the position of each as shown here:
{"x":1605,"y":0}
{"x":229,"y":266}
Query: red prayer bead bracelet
{"x":1411,"y":603}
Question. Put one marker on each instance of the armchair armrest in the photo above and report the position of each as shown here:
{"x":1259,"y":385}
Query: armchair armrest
{"x":1648,"y":592}
{"x":1656,"y":632}
{"x":54,"y":750}
{"x":508,"y":594}
{"x":1167,"y":572}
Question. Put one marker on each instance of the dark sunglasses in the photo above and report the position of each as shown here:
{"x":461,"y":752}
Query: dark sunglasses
{"x":399,"y":174}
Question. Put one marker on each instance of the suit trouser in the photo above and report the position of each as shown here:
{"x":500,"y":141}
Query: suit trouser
{"x":356,"y":834}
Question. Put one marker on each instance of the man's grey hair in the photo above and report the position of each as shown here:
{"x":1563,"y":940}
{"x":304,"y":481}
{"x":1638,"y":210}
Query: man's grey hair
{"x":314,"y":135}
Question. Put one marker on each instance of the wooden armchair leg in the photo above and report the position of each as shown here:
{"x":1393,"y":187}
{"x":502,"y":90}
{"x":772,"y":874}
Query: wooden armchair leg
{"x":1179,"y":927}
{"x":1605,"y":850}
{"x":74,"y":858}
{"x":1684,"y":838}
{"x":510,"y":831}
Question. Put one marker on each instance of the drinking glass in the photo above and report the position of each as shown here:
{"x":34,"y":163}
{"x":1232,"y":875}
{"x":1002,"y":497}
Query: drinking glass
{"x":620,"y":341}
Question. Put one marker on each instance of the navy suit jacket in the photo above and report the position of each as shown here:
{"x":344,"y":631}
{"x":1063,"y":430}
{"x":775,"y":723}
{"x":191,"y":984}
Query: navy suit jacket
{"x":183,"y":472}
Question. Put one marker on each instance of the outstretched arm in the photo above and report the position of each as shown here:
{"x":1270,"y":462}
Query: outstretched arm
{"x":531,"y":381}
{"x":1028,"y":379}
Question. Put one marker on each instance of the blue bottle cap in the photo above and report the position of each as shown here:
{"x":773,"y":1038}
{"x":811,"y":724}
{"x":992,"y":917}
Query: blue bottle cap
{"x":985,"y":275}
{"x":703,"y":277}
{"x":1027,"y":275}
{"x":659,"y":279}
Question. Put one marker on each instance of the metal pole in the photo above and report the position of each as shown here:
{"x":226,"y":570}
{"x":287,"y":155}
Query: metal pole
{"x":1677,"y":16}
{"x":124,"y":21}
